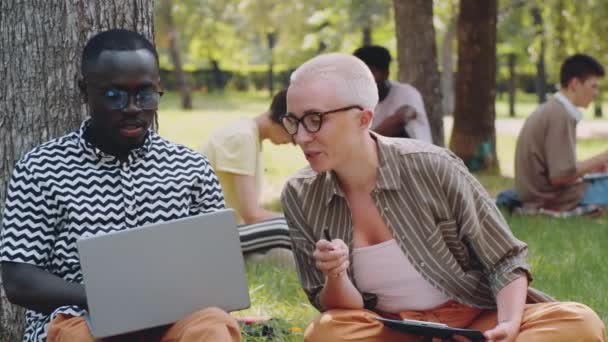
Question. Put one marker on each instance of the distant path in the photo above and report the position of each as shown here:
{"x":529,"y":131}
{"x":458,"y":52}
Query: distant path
{"x":585,"y":128}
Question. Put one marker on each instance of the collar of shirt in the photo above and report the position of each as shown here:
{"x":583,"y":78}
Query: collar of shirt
{"x":103,"y":157}
{"x":388,"y":171}
{"x":570,"y":107}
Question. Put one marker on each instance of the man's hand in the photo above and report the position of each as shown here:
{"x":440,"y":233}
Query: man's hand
{"x":602,"y":169}
{"x":407,"y":113}
{"x":505,"y":331}
{"x":331,"y":257}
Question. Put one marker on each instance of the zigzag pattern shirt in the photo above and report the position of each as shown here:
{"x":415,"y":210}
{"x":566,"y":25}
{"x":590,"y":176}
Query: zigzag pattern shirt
{"x":67,"y":188}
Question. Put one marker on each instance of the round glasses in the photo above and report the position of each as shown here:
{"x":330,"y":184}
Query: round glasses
{"x":311,"y":121}
{"x":145,"y":99}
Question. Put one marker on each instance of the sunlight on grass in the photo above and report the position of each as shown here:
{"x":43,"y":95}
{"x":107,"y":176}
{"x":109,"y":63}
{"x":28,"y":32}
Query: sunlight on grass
{"x":567,"y":256}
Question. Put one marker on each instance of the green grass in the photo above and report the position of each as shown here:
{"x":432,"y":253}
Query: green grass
{"x":567,"y":256}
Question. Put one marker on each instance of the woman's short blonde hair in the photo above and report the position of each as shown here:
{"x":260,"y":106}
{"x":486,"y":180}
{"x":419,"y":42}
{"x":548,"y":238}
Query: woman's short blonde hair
{"x":352,"y":79}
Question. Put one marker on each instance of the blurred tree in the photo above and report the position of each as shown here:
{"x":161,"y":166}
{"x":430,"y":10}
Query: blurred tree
{"x":39,"y":96}
{"x":210,"y":37}
{"x":541,"y":78}
{"x":576,"y":27}
{"x":474,"y":136}
{"x":166,"y":11}
{"x":446,"y":15}
{"x":417,"y":57}
{"x":366,"y":15}
{"x":514,"y":34}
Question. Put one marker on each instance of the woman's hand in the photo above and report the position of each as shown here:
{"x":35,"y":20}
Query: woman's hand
{"x":331,"y":257}
{"x":505,"y":331}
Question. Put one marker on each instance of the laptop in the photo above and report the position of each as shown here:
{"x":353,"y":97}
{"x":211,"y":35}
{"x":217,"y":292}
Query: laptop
{"x":160,"y":273}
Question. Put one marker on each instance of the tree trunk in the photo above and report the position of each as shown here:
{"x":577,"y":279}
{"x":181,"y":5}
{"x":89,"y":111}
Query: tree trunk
{"x":182,"y":83}
{"x":218,"y":76}
{"x":597,"y":105}
{"x":560,"y":32}
{"x":271,"y":37}
{"x":367,"y":35}
{"x":417,"y":57}
{"x":512,"y":86}
{"x":474,"y":135}
{"x":40,"y":47}
{"x":541,"y":78}
{"x":447,"y":72}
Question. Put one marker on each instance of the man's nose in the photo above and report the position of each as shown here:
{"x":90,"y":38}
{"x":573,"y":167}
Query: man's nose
{"x":132,"y":107}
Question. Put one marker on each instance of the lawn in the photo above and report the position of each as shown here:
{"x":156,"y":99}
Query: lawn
{"x":566,"y":255}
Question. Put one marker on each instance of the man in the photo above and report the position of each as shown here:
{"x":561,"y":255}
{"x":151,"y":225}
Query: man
{"x":409,"y":232}
{"x":235,"y":153}
{"x":113,"y":174}
{"x":400,"y":111}
{"x":547,"y":173}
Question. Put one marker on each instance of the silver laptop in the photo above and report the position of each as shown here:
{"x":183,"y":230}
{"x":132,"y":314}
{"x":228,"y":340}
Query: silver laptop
{"x":157,"y":274}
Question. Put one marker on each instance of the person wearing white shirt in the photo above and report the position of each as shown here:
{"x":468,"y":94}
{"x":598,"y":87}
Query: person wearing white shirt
{"x":400,"y":111}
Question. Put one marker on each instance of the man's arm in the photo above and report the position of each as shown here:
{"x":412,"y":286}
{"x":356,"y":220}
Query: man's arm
{"x":582,"y":168}
{"x":33,"y":288}
{"x":247,"y":200}
{"x":393,"y":125}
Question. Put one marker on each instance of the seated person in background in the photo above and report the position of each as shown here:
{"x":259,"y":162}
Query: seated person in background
{"x":115,"y":173}
{"x":235,"y":153}
{"x":400,"y":111}
{"x":412,"y":233}
{"x":547,"y":173}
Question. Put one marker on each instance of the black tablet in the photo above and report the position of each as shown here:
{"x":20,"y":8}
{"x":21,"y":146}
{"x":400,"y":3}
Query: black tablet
{"x":430,"y":329}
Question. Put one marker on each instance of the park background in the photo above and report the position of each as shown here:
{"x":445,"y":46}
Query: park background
{"x":482,"y":67}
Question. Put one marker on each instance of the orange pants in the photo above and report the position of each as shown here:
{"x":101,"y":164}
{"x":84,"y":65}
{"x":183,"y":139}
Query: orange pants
{"x":210,"y":324}
{"x":553,"y":322}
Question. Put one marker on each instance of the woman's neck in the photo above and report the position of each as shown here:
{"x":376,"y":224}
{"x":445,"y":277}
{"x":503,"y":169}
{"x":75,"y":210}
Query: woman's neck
{"x":361,"y":172}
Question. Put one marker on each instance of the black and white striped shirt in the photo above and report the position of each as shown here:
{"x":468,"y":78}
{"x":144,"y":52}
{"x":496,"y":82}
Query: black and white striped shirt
{"x":440,"y":215}
{"x":67,"y":188}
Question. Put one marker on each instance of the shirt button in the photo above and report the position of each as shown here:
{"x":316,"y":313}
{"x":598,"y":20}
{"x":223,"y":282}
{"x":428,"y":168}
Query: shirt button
{"x":422,"y":264}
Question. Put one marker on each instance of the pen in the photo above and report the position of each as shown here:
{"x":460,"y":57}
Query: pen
{"x":327,"y":237}
{"x":326,"y":234}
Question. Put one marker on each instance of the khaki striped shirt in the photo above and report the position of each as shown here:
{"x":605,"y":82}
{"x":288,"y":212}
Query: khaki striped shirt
{"x":442,"y":218}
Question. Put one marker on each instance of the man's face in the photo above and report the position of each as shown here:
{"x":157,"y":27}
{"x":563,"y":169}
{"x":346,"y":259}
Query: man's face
{"x":136,"y":71}
{"x":585,"y":91}
{"x":380,"y":76}
{"x":330,"y":147}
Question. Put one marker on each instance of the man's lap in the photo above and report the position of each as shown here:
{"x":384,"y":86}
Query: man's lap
{"x":72,"y":328}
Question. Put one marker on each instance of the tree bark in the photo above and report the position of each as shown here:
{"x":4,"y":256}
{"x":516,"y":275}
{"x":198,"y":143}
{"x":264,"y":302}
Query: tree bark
{"x":182,"y":83}
{"x":366,"y":33}
{"x":271,"y":37}
{"x":541,"y":78}
{"x":597,"y":105}
{"x":40,"y":48}
{"x":417,"y":57}
{"x":447,"y":72}
{"x":474,"y":135}
{"x":512,"y":86}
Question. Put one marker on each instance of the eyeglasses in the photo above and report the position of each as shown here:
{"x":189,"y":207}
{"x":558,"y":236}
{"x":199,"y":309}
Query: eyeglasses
{"x":311,"y":121}
{"x":145,"y":99}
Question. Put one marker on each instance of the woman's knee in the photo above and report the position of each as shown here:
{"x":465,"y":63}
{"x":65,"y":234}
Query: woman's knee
{"x":340,"y":325}
{"x":212,"y":315}
{"x":588,"y":325}
{"x":69,"y":328}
